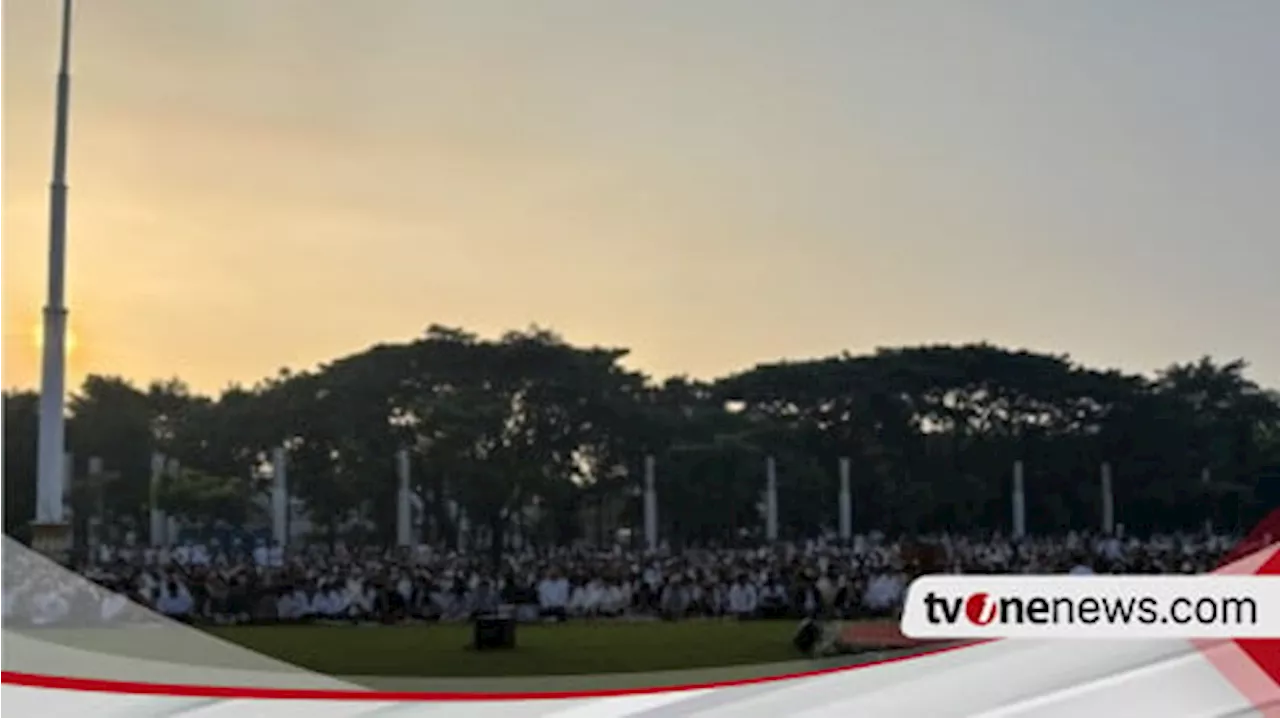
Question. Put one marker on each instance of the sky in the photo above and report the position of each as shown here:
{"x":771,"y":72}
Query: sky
{"x":712,"y":184}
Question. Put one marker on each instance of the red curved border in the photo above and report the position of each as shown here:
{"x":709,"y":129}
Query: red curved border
{"x":94,"y":685}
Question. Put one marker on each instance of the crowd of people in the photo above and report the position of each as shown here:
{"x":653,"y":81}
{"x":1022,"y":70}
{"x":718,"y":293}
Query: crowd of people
{"x":266,"y":584}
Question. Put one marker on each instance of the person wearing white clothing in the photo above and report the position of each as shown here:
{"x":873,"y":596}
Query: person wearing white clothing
{"x":287,"y":607}
{"x":583,"y":600}
{"x":322,"y":604}
{"x":617,"y":598}
{"x":743,"y":598}
{"x":337,"y":602}
{"x":175,"y":601}
{"x":553,"y":596}
{"x":360,"y":602}
{"x":883,"y":593}
{"x":653,"y":576}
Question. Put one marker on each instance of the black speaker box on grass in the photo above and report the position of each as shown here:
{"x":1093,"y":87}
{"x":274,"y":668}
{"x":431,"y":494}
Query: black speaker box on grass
{"x":494,"y":633}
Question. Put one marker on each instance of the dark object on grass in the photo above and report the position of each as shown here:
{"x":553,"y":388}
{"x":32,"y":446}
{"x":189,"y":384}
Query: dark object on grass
{"x":807,"y":636}
{"x":494,"y":633}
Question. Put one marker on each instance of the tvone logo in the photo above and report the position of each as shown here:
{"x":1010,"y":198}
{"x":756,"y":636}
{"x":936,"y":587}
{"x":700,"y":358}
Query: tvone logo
{"x":980,"y":609}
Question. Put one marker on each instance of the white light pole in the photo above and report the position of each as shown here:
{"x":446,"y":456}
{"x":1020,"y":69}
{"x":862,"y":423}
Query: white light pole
{"x":770,"y":500}
{"x":846,"y":500}
{"x":1019,"y":502}
{"x":49,"y":532}
{"x":650,"y":504}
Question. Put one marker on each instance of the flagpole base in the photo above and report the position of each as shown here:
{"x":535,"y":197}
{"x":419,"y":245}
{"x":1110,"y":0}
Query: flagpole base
{"x":53,"y":540}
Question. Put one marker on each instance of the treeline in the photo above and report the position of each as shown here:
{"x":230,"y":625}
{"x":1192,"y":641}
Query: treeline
{"x":529,"y":420}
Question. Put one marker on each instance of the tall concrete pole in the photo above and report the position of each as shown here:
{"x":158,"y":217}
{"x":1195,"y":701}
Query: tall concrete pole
{"x":1019,"y":502}
{"x":650,"y":504}
{"x":404,"y":510}
{"x":50,"y":531}
{"x":1108,"y":502}
{"x":280,"y":496}
{"x":846,"y":500}
{"x":770,"y":500}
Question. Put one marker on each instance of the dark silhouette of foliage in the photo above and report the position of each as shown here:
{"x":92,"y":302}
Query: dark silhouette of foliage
{"x":530,"y":420}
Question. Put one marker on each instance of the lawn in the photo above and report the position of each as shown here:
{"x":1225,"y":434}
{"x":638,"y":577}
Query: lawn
{"x":568,"y":657}
{"x":440,"y":651}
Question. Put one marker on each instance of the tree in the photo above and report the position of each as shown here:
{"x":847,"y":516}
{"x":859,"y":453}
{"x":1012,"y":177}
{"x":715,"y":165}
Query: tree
{"x":21,"y":417}
{"x":112,"y":420}
{"x":499,"y":425}
{"x":206,"y":499}
{"x":506,"y":422}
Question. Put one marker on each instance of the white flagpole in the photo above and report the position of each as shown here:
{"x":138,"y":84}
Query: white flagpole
{"x":404,"y":518}
{"x":771,"y":500}
{"x":650,"y":504}
{"x":846,"y":501}
{"x":1108,"y":502}
{"x":173,"y":471}
{"x":280,"y":496}
{"x":52,"y":428}
{"x":1019,"y":502}
{"x":156,"y":535}
{"x":1206,"y":478}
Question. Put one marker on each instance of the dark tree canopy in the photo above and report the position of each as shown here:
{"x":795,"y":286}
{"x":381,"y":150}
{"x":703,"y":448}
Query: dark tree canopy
{"x":528,"y":424}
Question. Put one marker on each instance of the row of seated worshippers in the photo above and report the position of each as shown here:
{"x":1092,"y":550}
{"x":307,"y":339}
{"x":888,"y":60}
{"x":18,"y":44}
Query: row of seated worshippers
{"x":260,"y":583}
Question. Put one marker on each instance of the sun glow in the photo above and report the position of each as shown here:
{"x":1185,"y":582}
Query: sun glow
{"x":37,"y":338}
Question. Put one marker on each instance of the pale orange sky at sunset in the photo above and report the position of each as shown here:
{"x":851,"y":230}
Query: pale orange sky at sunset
{"x":265,"y":184}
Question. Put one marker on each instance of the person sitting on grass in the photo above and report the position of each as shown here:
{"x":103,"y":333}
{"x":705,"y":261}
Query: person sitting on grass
{"x":523,"y":594}
{"x":216,"y":592}
{"x":302,"y":603}
{"x":262,"y":609}
{"x":404,"y":586}
{"x":883,"y":594}
{"x":330,"y":602}
{"x":174,"y":601}
{"x":584,"y":601}
{"x":455,"y":606}
{"x":808,"y":599}
{"x":644,"y":599}
{"x":773,"y":598}
{"x":553,"y":596}
{"x":616,"y":597}
{"x":438,"y":600}
{"x":285,"y":607}
{"x":483,"y":600}
{"x":743,"y":598}
{"x":360,"y":599}
{"x":317,"y":600}
{"x":696,"y":598}
{"x":675,"y":600}
{"x":818,"y":637}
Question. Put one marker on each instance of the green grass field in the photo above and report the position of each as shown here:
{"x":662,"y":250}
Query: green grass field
{"x":568,"y":657}
{"x":441,"y":651}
